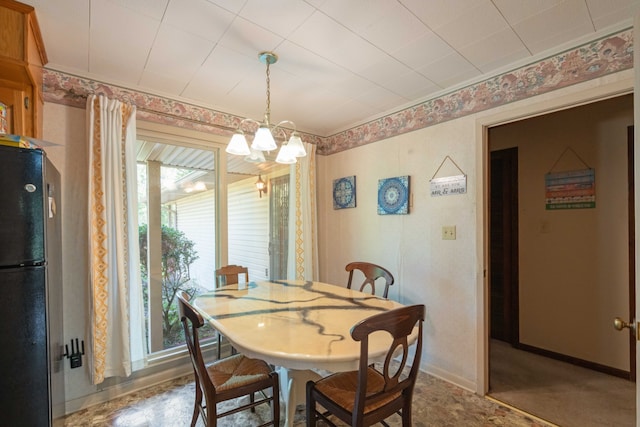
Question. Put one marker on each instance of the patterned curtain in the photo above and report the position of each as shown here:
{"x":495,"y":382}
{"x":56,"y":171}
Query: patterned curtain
{"x":113,"y":225}
{"x":303,"y":231}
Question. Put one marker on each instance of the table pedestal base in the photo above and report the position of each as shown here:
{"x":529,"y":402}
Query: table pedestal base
{"x":293,"y":389}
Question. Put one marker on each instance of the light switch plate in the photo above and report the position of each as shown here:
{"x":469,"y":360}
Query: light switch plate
{"x":449,"y":232}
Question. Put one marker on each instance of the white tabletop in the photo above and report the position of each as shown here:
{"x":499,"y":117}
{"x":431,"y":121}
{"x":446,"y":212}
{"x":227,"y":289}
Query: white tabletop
{"x":294,"y":324}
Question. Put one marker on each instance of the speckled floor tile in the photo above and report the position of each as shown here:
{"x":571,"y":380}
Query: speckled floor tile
{"x":436,"y":403}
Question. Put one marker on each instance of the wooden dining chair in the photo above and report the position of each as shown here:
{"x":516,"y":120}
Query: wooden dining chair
{"x":226,"y":379}
{"x":229,"y":275}
{"x":371,"y":272}
{"x":369,"y":396}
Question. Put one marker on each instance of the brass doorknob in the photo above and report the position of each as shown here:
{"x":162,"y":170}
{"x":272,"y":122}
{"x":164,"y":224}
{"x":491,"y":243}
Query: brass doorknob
{"x":633,"y":327}
{"x":620,"y":324}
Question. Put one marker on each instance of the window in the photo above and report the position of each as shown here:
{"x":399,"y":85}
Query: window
{"x":177,"y":214}
{"x":252,"y":218}
{"x":186,"y":233}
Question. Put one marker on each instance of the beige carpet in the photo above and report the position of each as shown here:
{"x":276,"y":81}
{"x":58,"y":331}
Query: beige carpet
{"x":565,"y":394}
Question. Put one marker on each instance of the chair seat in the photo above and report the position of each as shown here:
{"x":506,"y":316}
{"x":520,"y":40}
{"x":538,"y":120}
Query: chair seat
{"x":236,"y":371}
{"x":342,"y":387}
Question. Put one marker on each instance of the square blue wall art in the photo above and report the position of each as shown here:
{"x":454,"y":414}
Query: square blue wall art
{"x":393,"y":196}
{"x":344,"y":192}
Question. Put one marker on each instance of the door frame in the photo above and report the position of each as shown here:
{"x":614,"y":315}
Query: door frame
{"x":569,"y":97}
{"x":632,"y":249}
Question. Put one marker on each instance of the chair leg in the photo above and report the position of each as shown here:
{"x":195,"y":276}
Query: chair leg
{"x":311,"y":406}
{"x":275,"y":403}
{"x":406,"y":414}
{"x":197,"y":404}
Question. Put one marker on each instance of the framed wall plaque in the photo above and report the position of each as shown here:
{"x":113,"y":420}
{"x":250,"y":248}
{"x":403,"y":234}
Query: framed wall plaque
{"x":393,"y":196}
{"x":344,"y":192}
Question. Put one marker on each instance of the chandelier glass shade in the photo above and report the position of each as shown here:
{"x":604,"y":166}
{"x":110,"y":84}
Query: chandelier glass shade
{"x":255,"y":156}
{"x":263,"y":139}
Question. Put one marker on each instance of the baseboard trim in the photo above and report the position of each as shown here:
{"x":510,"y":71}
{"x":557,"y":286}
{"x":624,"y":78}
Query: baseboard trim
{"x":156,"y":372}
{"x":520,"y":411}
{"x":575,"y":361}
{"x":448,"y":377}
{"x":126,"y":387}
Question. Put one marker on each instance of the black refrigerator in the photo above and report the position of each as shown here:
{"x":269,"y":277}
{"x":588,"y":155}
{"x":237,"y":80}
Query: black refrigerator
{"x":31,"y":334}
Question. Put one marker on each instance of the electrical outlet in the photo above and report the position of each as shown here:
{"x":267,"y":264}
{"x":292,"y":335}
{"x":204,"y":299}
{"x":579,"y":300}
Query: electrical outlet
{"x":449,"y":232}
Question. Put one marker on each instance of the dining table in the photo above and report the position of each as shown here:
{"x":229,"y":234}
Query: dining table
{"x":302,"y":328}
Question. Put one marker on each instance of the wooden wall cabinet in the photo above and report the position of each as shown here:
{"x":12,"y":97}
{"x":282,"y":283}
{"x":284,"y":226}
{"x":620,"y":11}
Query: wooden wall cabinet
{"x":22,"y":56}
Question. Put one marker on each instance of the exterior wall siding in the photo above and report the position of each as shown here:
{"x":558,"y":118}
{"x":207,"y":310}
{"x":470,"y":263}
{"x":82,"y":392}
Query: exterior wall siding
{"x":248,"y":228}
{"x":196,"y":218}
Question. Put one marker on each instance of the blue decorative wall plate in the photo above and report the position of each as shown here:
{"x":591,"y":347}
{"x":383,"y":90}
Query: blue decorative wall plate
{"x":393,"y":196}
{"x":344,"y":192}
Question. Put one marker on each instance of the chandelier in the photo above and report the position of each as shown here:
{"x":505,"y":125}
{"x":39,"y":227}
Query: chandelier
{"x":263,"y":139}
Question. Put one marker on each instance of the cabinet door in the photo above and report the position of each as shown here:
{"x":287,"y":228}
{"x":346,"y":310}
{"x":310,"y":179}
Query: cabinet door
{"x":17,"y":120}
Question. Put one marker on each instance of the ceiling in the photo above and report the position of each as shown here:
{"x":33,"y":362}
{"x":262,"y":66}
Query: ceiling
{"x":341,"y":62}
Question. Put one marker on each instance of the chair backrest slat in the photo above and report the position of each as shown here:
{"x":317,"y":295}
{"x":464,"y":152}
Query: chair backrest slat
{"x":400,"y":323}
{"x":228,"y":275}
{"x":371,"y":272}
{"x":192,"y":321}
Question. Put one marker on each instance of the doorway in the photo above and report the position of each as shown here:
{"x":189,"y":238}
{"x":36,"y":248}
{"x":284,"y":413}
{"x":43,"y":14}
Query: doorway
{"x":553,"y":298}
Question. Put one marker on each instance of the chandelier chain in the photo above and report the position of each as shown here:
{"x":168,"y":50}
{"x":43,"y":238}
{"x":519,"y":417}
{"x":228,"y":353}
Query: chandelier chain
{"x":268,"y":111}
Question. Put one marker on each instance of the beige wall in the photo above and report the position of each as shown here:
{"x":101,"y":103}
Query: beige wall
{"x":574,"y":263}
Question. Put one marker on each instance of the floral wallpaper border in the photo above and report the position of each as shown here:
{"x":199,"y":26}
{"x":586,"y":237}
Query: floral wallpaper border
{"x":595,"y":59}
{"x":71,"y":90}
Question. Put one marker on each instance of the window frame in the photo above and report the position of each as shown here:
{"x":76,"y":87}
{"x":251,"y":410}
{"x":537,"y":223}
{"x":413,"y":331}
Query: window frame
{"x":202,"y":141}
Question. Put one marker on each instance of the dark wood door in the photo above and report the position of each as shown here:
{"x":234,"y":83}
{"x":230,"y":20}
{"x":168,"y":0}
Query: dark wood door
{"x":504,"y":246}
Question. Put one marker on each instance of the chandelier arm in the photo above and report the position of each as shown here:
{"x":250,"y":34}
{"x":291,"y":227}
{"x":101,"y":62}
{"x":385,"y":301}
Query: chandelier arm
{"x":284,"y":130}
{"x":279,"y":125}
{"x":247,"y":120}
{"x":281,"y":129}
